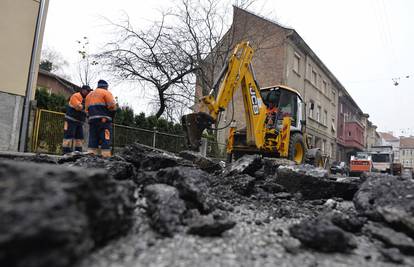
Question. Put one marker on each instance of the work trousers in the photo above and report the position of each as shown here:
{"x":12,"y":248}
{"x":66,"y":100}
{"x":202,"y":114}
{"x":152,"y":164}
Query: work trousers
{"x":100,"y":136}
{"x":72,"y":136}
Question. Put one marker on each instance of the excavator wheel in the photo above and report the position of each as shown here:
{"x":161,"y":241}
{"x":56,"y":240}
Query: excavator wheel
{"x":297,"y":148}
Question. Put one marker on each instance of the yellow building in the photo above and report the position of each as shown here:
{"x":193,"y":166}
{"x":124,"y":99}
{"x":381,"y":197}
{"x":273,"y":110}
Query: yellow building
{"x":21,"y":32}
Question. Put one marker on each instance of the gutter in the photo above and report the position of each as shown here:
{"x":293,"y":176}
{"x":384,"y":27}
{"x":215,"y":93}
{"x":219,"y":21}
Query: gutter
{"x":29,"y":89}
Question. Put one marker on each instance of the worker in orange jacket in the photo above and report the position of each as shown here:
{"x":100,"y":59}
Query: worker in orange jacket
{"x":74,"y":118}
{"x":272,"y":110}
{"x":100,"y":106}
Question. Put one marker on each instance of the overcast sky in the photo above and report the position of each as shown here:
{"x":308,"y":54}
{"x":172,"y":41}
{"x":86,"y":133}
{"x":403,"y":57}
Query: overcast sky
{"x":365,"y":44}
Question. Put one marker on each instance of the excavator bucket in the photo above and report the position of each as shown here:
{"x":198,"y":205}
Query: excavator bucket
{"x":193,"y":125}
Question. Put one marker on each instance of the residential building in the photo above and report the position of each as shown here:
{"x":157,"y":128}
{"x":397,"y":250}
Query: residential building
{"x":55,"y":84}
{"x":351,"y":129}
{"x":407,"y":151}
{"x":388,"y":139}
{"x":283,"y":57}
{"x":372,"y":136}
{"x":21,"y":29}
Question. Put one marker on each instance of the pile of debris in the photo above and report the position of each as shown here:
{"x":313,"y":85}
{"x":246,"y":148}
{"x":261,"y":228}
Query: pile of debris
{"x":56,"y":212}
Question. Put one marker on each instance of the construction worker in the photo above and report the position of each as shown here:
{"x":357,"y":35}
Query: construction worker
{"x":74,"y":118}
{"x":272,"y":109}
{"x":100,"y":106}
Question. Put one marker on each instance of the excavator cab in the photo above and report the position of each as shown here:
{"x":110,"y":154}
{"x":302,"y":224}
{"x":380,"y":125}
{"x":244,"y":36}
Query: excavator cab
{"x":288,"y":103}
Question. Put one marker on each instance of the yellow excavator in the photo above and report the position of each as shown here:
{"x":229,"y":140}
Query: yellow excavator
{"x":280,"y":133}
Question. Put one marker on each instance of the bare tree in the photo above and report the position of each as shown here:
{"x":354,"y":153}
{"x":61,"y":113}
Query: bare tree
{"x":186,"y":45}
{"x":51,"y":60}
{"x":86,"y":70}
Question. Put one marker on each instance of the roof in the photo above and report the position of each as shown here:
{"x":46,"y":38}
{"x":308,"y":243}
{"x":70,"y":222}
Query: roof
{"x":71,"y":86}
{"x":262,"y":17}
{"x":388,"y":136}
{"x":283,"y":87}
{"x":407,"y":142}
{"x":292,"y":34}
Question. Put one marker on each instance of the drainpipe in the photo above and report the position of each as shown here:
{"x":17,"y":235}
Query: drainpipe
{"x":29,"y":88}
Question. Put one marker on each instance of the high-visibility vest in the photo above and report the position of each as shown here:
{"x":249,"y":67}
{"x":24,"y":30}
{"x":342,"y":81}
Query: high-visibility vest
{"x":100,"y":104}
{"x":75,"y":109}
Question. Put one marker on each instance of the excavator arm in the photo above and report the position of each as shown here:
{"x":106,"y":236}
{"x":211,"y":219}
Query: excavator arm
{"x":238,"y":73}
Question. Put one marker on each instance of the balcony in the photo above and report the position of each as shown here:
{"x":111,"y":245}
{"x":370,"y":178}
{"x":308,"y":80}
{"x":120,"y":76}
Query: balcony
{"x":352,"y":136}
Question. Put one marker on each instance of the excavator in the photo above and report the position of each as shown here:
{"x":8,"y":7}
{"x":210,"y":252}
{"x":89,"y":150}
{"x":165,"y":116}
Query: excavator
{"x":281,"y":136}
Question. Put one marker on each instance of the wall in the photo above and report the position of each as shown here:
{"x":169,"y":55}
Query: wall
{"x":18,"y":20}
{"x":372,"y":138}
{"x":17,"y":28}
{"x":11,"y":107}
{"x":306,"y":75}
{"x":407,"y":157}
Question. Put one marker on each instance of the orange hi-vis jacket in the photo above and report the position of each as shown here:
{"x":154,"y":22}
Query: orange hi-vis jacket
{"x":75,"y":108}
{"x":100,"y":104}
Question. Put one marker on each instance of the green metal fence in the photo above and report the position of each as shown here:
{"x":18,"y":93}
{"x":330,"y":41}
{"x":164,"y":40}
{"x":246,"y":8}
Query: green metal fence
{"x":48,"y":134}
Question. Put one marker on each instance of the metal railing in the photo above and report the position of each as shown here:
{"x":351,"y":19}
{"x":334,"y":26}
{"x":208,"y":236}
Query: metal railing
{"x":48,"y":131}
{"x":48,"y":134}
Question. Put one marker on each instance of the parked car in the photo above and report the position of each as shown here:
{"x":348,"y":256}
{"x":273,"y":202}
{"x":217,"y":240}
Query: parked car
{"x":339,"y":167}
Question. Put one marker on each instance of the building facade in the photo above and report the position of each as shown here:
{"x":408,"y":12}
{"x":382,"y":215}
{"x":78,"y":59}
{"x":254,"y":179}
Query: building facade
{"x":372,"y":136}
{"x":407,"y":151}
{"x":351,"y":128}
{"x":21,"y":29}
{"x":283,"y":57}
{"x":55,"y":84}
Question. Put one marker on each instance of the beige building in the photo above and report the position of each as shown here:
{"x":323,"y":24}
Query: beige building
{"x":372,"y":136}
{"x":21,"y":29}
{"x":407,"y":151}
{"x":283,"y":57}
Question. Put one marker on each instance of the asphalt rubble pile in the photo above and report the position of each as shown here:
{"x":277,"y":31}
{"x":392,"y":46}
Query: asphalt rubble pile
{"x":147,"y":207}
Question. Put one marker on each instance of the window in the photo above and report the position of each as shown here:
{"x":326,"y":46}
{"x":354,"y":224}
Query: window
{"x":318,"y":114}
{"x":342,"y":111}
{"x":296,"y":63}
{"x":323,"y":146}
{"x":325,"y":117}
{"x":288,"y":105}
{"x":349,"y":133}
{"x":380,"y":158}
{"x":311,"y":108}
{"x":325,"y":88}
{"x":310,"y":140}
{"x":314,"y":77}
{"x":333,"y":96}
{"x":333,"y":125}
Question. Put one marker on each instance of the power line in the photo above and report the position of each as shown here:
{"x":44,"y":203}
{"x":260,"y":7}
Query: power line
{"x":394,"y":80}
{"x":384,"y":31}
